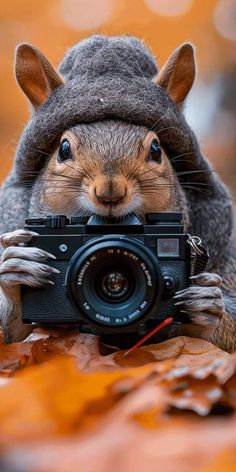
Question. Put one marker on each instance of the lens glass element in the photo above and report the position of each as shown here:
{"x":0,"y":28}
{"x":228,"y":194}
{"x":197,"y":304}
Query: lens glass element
{"x":114,"y":285}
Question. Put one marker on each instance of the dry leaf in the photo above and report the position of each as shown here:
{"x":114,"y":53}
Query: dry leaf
{"x":188,"y":352}
{"x":52,"y":398}
{"x":118,"y":445}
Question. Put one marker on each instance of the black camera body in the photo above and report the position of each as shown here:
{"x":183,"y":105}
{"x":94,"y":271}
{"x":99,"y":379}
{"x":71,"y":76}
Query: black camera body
{"x":115,"y":276}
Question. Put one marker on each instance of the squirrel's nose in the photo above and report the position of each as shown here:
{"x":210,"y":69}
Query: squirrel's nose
{"x":108,"y":198}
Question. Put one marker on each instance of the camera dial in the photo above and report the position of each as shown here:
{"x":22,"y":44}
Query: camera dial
{"x":169,"y":284}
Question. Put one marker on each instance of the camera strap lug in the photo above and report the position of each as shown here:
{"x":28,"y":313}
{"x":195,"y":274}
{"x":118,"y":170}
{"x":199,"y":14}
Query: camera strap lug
{"x":199,"y":255}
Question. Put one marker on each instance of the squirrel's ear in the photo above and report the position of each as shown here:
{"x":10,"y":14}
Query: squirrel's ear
{"x":178,"y":73}
{"x":35,"y":75}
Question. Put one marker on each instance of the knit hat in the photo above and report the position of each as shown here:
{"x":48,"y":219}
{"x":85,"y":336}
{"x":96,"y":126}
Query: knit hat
{"x":107,"y":78}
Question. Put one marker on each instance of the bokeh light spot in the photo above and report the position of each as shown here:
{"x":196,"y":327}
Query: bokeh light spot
{"x":86,"y":14}
{"x":169,"y":7}
{"x":225,"y":19}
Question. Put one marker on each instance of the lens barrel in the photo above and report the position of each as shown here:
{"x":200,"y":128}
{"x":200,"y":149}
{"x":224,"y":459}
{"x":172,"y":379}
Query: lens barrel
{"x":114,"y":281}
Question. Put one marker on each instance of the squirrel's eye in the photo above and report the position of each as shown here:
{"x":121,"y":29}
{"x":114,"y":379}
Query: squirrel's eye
{"x":155,"y":152}
{"x":64,"y":151}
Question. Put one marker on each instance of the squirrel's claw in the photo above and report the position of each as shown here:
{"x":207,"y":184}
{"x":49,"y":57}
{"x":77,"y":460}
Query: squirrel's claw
{"x":197,"y":293}
{"x":17,"y":271}
{"x":204,"y":305}
{"x":20,"y":265}
{"x":16,"y":237}
{"x":206,"y":279}
{"x":26,"y":253}
{"x":204,"y":301}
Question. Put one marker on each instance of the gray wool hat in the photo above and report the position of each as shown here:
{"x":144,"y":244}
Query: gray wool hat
{"x":107,"y":78}
{"x":111,"y":78}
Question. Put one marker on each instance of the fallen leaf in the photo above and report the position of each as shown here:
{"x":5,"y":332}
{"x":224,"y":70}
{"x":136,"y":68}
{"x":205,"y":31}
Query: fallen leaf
{"x":188,"y":352}
{"x":84,"y":347}
{"x":118,"y":445}
{"x":52,"y":398}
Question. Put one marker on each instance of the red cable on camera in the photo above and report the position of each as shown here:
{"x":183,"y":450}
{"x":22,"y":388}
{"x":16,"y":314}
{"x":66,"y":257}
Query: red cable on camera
{"x":164,"y":323}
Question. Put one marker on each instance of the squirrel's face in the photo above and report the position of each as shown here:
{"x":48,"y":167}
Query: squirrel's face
{"x":108,"y":168}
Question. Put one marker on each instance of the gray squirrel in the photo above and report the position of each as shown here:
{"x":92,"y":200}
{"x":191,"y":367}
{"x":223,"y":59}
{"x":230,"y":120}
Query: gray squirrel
{"x":107,"y":135}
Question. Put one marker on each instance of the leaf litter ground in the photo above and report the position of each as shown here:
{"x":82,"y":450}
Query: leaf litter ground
{"x":64,"y":407}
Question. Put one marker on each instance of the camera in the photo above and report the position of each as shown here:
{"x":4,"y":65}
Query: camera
{"x":116,"y":275}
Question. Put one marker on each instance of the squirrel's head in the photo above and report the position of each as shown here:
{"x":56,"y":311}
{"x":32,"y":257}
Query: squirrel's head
{"x":109,"y":167}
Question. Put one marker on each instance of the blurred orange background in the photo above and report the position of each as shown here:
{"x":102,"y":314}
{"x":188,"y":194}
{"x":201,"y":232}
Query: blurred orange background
{"x":55,"y":25}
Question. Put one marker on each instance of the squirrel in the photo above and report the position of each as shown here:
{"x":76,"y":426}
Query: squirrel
{"x":108,"y":136}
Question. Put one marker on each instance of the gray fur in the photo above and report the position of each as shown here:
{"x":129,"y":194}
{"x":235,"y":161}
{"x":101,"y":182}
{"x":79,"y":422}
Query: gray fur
{"x":111,"y":79}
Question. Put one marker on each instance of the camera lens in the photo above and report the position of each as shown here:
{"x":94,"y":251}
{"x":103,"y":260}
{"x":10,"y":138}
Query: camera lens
{"x":114,"y":281}
{"x":114,"y":285}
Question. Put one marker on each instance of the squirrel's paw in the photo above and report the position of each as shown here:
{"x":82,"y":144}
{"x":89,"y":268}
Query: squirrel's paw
{"x":19,"y":265}
{"x":203,"y":301}
{"x":23,"y":265}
